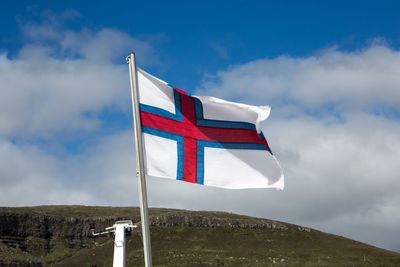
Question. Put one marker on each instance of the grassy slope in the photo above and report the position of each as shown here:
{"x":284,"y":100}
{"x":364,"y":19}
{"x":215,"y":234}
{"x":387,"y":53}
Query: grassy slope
{"x":196,"y":246}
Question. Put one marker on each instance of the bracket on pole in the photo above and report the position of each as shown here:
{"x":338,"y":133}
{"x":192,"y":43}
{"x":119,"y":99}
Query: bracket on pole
{"x":119,"y":229}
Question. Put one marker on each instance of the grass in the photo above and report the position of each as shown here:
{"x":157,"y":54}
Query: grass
{"x":183,"y":245}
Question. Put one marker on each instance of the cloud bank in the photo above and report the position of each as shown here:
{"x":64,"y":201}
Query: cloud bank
{"x":61,"y":94}
{"x":334,"y":126}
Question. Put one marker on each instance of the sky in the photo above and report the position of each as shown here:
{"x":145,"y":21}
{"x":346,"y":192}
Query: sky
{"x":329,"y":70}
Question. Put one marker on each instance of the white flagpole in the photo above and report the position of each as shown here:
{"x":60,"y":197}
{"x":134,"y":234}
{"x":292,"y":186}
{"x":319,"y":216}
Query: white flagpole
{"x":140,"y":171}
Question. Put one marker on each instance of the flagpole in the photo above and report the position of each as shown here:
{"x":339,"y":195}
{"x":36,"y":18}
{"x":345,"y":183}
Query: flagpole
{"x":140,"y":171}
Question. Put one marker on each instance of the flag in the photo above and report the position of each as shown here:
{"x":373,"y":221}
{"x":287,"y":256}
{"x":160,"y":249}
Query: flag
{"x":204,"y":140}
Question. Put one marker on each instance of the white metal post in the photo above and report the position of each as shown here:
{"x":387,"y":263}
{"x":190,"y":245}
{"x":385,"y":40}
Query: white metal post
{"x":119,"y":246}
{"x":140,"y":171}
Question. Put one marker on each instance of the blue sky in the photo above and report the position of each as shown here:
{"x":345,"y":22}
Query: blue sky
{"x":329,"y":70}
{"x":197,"y":37}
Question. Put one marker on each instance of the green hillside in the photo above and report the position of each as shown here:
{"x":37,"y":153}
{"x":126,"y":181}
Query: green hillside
{"x":60,"y":236}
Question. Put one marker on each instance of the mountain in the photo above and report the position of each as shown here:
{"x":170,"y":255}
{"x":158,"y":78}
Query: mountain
{"x":60,"y":236}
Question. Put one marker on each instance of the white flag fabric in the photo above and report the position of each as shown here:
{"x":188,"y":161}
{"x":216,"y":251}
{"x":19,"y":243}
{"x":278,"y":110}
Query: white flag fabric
{"x":204,"y":140}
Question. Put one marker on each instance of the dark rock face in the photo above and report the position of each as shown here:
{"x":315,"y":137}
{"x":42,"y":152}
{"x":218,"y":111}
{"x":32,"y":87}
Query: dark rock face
{"x":15,"y":263}
{"x":37,"y":233}
{"x":183,"y":220}
{"x":15,"y":229}
{"x":76,"y":229}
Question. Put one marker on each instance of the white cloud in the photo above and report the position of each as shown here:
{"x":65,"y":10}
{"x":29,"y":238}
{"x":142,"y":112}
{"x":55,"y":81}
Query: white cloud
{"x":107,"y":45}
{"x":61,"y":80}
{"x":334,"y":127}
{"x":45,"y":25}
{"x":55,"y":91}
{"x":42,"y":95}
{"x":31,"y":177}
{"x":350,"y":80}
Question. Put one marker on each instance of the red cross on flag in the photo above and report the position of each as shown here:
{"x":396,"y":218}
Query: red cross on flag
{"x":204,"y":140}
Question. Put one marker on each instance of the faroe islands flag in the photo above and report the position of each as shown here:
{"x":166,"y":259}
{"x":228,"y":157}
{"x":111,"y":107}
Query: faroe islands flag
{"x":204,"y":140}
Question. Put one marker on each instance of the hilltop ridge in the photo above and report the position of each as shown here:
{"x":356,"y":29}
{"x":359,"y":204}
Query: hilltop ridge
{"x":60,"y":236}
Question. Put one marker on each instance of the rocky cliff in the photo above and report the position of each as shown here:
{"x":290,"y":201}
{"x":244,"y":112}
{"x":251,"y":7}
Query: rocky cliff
{"x":59,"y":235}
